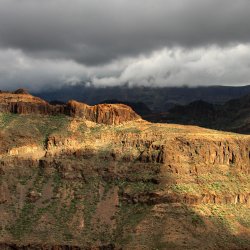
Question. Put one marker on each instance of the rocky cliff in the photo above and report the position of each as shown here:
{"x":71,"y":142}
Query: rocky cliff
{"x":99,"y":178}
{"x":21,"y":102}
{"x":102,"y":113}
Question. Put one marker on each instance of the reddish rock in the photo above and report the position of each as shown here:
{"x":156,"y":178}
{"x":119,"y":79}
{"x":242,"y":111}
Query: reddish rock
{"x":102,"y":113}
{"x":21,"y":102}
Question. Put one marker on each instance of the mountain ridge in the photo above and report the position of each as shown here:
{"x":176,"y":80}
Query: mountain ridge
{"x":21,"y":102}
{"x":234,"y":115}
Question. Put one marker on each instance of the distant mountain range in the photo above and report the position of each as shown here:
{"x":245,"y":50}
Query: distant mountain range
{"x":157,"y":99}
{"x":234,"y":115}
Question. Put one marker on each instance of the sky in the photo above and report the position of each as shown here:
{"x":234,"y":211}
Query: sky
{"x":49,"y":43}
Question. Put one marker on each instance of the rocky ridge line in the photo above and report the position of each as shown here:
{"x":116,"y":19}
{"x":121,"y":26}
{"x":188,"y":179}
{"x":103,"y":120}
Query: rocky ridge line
{"x":21,"y":102}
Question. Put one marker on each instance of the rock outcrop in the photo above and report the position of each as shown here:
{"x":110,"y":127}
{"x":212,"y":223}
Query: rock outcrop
{"x":21,"y":102}
{"x":102,"y":113}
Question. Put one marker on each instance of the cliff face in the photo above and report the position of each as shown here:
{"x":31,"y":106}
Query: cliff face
{"x":102,"y":113}
{"x":20,"y":102}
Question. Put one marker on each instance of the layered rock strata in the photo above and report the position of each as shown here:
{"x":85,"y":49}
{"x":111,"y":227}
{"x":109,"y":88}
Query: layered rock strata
{"x":20,"y":102}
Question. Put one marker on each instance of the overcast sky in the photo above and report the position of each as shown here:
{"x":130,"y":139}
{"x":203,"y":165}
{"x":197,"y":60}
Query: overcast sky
{"x":46,"y":43}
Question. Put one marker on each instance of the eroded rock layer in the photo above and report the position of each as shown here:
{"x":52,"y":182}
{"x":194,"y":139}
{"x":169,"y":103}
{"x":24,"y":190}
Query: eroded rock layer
{"x":20,"y":102}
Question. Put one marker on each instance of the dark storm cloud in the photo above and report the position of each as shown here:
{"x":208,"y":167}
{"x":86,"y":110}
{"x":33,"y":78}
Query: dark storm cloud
{"x":45,"y":43}
{"x":94,"y":32}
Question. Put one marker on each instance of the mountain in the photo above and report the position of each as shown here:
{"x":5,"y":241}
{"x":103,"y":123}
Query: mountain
{"x":234,"y":115}
{"x":74,"y":176}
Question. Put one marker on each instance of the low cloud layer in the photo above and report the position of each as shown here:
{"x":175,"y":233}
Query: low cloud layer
{"x":151,"y":42}
{"x":166,"y":67}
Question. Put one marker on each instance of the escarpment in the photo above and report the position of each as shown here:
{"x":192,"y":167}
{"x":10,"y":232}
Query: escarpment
{"x":100,"y":178}
{"x":21,"y":102}
{"x":182,"y":157}
{"x":102,"y":113}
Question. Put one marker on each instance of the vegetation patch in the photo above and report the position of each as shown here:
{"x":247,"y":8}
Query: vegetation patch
{"x":128,"y":216}
{"x":6,"y":119}
{"x":184,"y":188}
{"x":26,"y":220}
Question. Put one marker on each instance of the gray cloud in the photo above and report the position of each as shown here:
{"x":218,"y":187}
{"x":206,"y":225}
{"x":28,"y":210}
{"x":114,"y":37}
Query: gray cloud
{"x":94,"y":31}
{"x":104,"y":40}
{"x":166,"y":67}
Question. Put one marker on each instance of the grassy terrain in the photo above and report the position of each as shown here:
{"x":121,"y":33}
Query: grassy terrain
{"x":34,"y":126}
